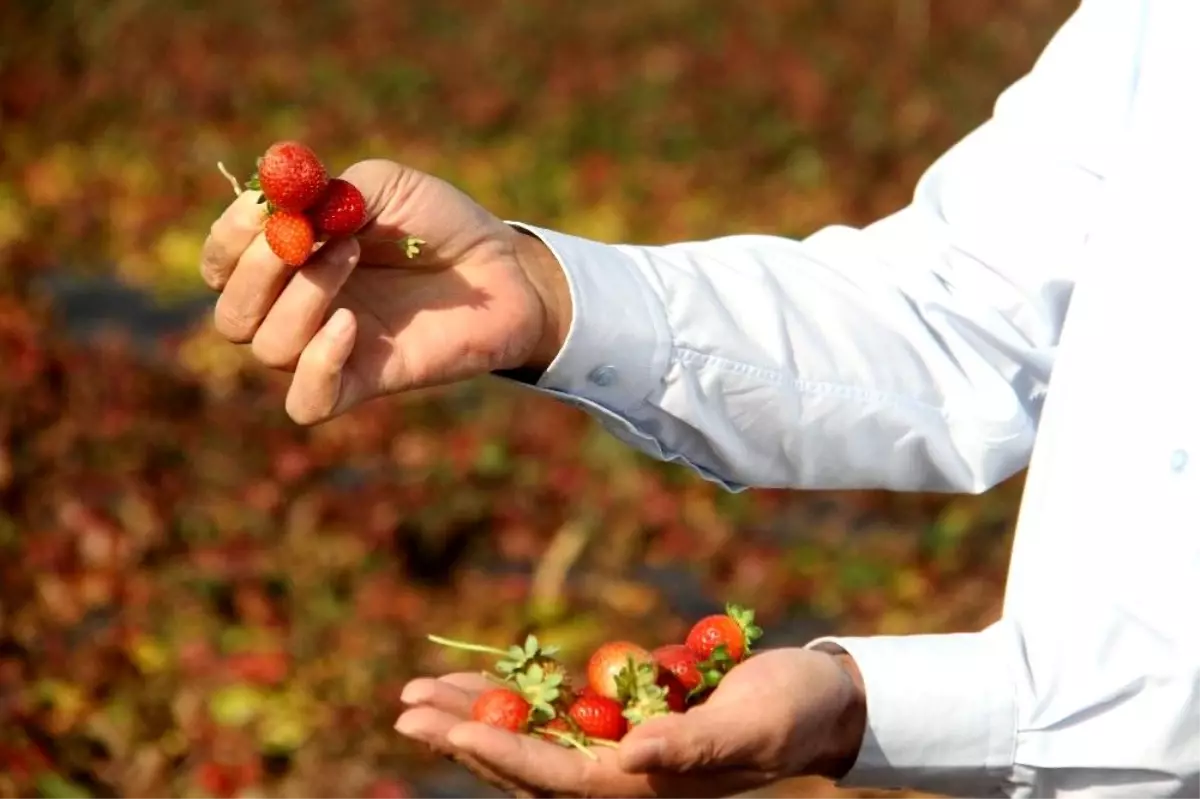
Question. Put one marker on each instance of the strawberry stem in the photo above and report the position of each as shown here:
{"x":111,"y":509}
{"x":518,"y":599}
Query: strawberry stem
{"x":466,"y":646}
{"x":570,"y":740}
{"x":237,"y":187}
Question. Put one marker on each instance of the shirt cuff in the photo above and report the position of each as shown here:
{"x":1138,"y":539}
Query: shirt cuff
{"x":941,"y":712}
{"x":618,"y":346}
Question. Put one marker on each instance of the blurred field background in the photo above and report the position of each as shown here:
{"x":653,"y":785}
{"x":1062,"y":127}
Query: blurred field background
{"x":198,"y":598}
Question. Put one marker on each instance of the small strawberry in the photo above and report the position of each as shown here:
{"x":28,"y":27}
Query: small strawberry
{"x":609,"y":660}
{"x":290,"y":176}
{"x":685,"y":675}
{"x":340,"y":211}
{"x":290,"y":236}
{"x":599,"y":717}
{"x":503,"y":708}
{"x":735,"y":630}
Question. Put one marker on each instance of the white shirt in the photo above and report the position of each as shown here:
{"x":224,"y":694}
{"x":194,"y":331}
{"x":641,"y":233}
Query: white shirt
{"x":1060,"y":238}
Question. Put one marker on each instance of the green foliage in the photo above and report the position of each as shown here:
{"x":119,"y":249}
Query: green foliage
{"x":198,"y":598}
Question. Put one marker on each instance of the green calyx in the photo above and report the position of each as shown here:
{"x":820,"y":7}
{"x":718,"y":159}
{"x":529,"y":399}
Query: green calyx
{"x":541,"y":690}
{"x":254,"y":184}
{"x":638,"y":690}
{"x":520,"y":658}
{"x":744,"y":618}
{"x":712,"y":670}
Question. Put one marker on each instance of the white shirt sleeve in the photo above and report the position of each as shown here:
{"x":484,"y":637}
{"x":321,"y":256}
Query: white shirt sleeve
{"x":911,"y":354}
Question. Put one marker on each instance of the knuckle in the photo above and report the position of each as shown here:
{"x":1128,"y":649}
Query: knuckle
{"x":272,"y":350}
{"x":233,"y":324}
{"x":301,"y":411}
{"x":696,"y":751}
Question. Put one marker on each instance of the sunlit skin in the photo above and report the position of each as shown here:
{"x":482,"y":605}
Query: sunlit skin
{"x":366,"y":319}
{"x":715,"y":749}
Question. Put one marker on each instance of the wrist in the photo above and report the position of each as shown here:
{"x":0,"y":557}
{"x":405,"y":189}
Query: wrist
{"x":850,"y":724}
{"x":545,"y":274}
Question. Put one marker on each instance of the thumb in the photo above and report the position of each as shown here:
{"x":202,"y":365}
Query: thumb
{"x":702,"y":738}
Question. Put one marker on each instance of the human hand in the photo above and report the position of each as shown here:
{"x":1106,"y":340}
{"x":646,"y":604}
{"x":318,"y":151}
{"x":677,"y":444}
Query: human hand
{"x":361,"y":319}
{"x":781,"y":713}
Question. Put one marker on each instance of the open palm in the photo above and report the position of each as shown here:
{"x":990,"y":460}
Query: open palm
{"x":378,"y":321}
{"x":716,"y":749}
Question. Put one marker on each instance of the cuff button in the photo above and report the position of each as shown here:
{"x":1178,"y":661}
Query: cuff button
{"x":603,"y":376}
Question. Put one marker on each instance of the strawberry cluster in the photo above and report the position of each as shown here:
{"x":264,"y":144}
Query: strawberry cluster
{"x":625,"y":684}
{"x":304,"y":205}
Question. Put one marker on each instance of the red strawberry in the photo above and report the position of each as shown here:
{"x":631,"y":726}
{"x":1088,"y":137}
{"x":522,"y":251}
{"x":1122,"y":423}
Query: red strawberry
{"x":735,"y":631}
{"x":291,"y":176}
{"x":681,"y":664}
{"x":684,"y":675}
{"x":340,"y":211}
{"x":290,"y":235}
{"x":607,"y":663}
{"x":502,"y":708}
{"x":599,"y":717}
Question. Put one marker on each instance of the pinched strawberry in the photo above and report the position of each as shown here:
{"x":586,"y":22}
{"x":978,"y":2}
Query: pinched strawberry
{"x":290,"y":236}
{"x":681,"y":664}
{"x":609,"y":661}
{"x":684,"y":675}
{"x":502,"y":708}
{"x":735,"y":631}
{"x":599,"y":717}
{"x":291,"y":176}
{"x":340,"y":211}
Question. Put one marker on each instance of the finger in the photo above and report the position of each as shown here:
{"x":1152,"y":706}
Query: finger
{"x":229,"y":237}
{"x":533,"y":761}
{"x":321,"y":387}
{"x":472,"y":682}
{"x":256,"y":280}
{"x":559,"y":770}
{"x":429,"y":725}
{"x":438,"y":694}
{"x":297,"y":315}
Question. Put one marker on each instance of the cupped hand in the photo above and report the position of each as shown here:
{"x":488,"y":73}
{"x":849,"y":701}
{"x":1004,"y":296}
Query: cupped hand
{"x":782,"y":713}
{"x":362,"y":319}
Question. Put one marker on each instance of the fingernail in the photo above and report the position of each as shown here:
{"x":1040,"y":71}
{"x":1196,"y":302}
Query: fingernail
{"x":339,"y":323}
{"x":413,"y":694}
{"x":410,"y":727}
{"x":640,"y":755}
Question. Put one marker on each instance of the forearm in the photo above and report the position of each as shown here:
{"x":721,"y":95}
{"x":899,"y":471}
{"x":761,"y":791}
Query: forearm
{"x":910,"y":354}
{"x":842,"y":361}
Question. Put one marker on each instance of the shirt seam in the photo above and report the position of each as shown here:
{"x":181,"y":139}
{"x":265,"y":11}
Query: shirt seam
{"x":685,"y":356}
